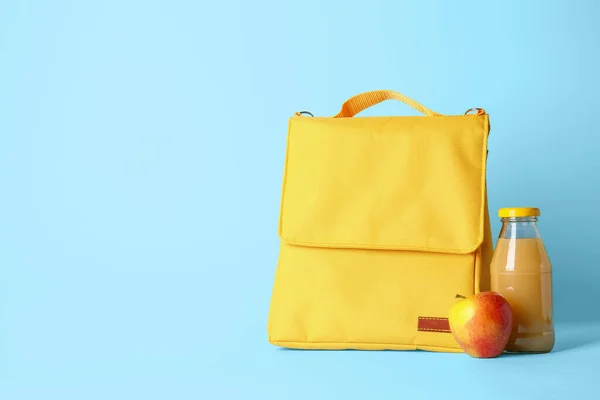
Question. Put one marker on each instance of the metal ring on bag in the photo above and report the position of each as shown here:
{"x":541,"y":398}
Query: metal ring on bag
{"x":305,"y":113}
{"x":477,"y":111}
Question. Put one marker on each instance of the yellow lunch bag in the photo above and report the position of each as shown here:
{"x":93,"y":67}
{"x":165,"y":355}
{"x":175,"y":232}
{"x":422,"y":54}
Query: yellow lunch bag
{"x":384,"y":220}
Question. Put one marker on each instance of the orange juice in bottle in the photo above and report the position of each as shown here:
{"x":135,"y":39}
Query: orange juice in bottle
{"x":522,"y":273}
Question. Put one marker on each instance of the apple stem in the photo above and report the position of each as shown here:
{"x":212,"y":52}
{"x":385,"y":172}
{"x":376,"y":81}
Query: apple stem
{"x":460,"y":296}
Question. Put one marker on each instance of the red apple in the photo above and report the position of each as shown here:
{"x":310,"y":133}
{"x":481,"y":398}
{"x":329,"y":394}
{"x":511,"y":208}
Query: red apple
{"x":481,"y":324}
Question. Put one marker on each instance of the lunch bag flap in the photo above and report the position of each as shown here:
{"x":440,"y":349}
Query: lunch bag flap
{"x":395,"y":183}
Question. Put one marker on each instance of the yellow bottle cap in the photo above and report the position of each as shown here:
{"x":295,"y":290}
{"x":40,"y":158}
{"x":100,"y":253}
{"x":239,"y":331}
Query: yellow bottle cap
{"x":518,"y":212}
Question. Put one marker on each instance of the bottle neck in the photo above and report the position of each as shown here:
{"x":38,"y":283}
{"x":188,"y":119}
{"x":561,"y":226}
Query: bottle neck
{"x":519,"y":228}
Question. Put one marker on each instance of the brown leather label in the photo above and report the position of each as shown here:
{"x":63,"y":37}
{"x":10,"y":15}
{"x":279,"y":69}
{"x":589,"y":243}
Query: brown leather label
{"x":433,"y":324}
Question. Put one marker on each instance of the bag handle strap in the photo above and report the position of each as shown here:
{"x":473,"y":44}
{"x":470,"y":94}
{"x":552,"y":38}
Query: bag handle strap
{"x":362,"y":101}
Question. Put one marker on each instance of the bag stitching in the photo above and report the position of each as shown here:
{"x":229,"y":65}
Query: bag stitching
{"x":432,"y":329}
{"x":366,"y":343}
{"x":384,"y":246}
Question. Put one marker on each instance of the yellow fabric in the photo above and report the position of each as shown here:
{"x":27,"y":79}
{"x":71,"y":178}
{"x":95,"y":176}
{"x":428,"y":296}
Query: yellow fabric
{"x":383,"y":220}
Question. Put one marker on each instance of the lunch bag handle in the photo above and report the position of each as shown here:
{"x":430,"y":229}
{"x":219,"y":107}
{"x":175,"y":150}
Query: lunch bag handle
{"x":362,"y":101}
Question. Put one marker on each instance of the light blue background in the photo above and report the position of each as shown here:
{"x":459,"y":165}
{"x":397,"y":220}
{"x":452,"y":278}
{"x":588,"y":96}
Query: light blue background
{"x":141,"y":155}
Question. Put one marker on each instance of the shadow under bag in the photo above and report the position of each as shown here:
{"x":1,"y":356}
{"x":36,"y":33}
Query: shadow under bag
{"x":384,"y":220}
